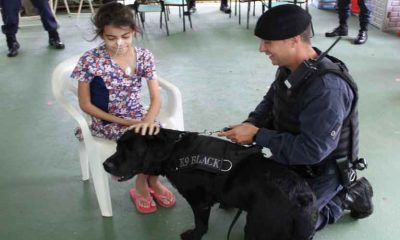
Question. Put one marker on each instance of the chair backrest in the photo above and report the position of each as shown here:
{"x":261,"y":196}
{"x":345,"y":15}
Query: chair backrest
{"x":171,"y":115}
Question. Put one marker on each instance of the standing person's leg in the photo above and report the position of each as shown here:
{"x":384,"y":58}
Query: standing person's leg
{"x":365,"y":14}
{"x":224,"y":7}
{"x":192,"y":6}
{"x":344,"y":13}
{"x":364,"y":17}
{"x":49,"y":22}
{"x":9,"y":13}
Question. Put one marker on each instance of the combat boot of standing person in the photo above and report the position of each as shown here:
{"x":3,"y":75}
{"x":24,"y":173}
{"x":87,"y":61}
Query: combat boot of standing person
{"x":344,"y":12}
{"x":10,"y":15}
{"x":224,"y":7}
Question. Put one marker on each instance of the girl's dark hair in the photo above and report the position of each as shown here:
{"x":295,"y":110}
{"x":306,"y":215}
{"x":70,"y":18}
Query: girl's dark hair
{"x":115,"y":14}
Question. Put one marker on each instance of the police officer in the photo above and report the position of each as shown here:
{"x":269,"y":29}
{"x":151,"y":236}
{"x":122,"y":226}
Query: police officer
{"x":308,"y":121}
{"x":344,"y":13}
{"x":10,"y":14}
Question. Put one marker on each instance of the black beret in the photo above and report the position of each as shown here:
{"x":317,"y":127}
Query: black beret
{"x":282,"y":22}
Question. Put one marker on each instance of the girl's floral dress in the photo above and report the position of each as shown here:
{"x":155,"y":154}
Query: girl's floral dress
{"x":112,"y":89}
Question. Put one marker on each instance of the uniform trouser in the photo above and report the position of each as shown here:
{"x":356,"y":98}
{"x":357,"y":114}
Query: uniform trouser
{"x":364,"y":16}
{"x":326,"y":188}
{"x":10,"y":10}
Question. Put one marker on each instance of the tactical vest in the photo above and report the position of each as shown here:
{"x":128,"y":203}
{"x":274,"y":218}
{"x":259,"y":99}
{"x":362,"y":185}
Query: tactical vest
{"x":287,"y":101}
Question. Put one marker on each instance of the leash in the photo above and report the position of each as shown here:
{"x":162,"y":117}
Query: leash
{"x":239,"y":212}
{"x":208,"y":132}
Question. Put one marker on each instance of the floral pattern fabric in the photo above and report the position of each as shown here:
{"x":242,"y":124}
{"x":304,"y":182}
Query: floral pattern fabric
{"x":123,"y":89}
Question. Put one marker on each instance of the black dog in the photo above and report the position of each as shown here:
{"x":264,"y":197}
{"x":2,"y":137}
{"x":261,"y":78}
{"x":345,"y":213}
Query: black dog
{"x":279,"y":204}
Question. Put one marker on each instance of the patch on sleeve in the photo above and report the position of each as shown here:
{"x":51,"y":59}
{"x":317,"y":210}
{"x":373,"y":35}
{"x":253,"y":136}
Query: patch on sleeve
{"x":335,"y":131}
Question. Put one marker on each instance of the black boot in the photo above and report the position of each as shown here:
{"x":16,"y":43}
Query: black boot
{"x":339,"y":31}
{"x":357,"y":199}
{"x":362,"y":37}
{"x":225,"y":8}
{"x":13,"y":45}
{"x":192,"y":6}
{"x":54,"y":40}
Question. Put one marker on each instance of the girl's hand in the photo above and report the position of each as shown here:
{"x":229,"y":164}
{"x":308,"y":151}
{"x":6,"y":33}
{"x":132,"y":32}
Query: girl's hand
{"x":145,"y":127}
{"x":131,"y":122}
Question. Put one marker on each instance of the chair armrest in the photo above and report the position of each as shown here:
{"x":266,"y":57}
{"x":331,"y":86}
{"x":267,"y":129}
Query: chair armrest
{"x":173,"y":108}
{"x":61,"y":82}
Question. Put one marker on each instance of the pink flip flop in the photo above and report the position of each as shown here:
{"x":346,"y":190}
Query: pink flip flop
{"x":166,"y":199}
{"x":139,"y":201}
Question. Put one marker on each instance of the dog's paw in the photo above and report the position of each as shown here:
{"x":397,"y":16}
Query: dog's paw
{"x":190,"y":235}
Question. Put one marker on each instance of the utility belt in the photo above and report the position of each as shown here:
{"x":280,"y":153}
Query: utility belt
{"x":342,"y":166}
{"x":317,"y":170}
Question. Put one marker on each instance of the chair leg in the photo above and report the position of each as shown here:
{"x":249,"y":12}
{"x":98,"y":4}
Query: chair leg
{"x":183,"y":15}
{"x":248,"y":14}
{"x":183,"y":20}
{"x":101,"y":187}
{"x":163,"y":10}
{"x":190,"y":21}
{"x":236,"y":3}
{"x":166,"y":23}
{"x":141,"y":16}
{"x":161,"y":19}
{"x":83,"y":157}
{"x":230,"y":7}
{"x":66,"y":7}
{"x":91,"y":6}
{"x":239,"y":14}
{"x":79,"y":8}
{"x":167,"y":12}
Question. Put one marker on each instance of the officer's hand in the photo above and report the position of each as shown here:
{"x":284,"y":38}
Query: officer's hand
{"x":243,"y":133}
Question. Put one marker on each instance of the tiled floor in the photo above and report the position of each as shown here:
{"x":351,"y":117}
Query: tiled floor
{"x":222,"y":77}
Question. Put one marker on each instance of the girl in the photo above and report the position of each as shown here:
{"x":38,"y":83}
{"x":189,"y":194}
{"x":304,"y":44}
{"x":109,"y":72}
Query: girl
{"x":110,"y":78}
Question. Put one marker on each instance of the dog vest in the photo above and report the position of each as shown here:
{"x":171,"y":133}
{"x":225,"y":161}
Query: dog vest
{"x":211,"y":154}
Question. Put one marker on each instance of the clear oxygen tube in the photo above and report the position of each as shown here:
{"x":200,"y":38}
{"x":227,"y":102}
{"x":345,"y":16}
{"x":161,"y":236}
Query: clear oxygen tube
{"x":119,"y":46}
{"x":128,"y":69}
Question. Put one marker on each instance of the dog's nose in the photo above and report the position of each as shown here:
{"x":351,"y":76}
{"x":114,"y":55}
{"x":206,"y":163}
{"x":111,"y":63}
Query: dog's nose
{"x":109,"y":166}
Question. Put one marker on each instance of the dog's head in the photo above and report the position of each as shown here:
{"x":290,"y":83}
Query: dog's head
{"x":141,"y":154}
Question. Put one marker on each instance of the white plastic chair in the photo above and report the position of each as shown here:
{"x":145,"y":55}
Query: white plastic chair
{"x":93,"y":150}
{"x":67,"y":6}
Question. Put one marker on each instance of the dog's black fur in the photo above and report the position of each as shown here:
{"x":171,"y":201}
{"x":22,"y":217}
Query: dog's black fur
{"x":279,"y":204}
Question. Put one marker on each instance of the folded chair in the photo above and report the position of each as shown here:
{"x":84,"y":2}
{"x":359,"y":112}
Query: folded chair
{"x":181,"y":4}
{"x":55,"y":6}
{"x":93,"y":150}
{"x":146,"y":6}
{"x":238,"y":2}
